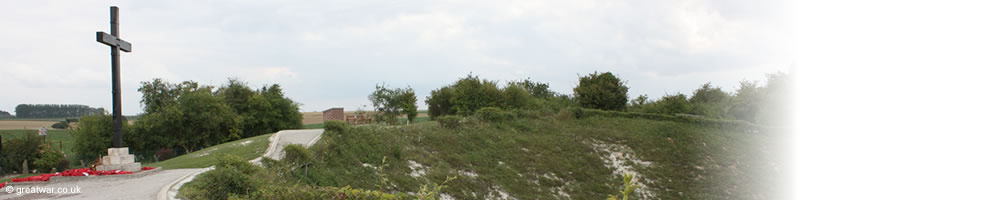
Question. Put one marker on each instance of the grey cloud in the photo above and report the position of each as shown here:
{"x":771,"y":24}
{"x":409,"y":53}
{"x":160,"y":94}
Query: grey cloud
{"x":332,"y":53}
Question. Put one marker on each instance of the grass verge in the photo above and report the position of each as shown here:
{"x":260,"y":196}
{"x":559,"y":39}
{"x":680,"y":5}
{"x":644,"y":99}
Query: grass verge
{"x":248,"y":148}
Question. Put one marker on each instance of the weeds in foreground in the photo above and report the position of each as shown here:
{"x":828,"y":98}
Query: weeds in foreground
{"x":433,"y":191}
{"x":630,"y":187}
{"x":380,"y":172}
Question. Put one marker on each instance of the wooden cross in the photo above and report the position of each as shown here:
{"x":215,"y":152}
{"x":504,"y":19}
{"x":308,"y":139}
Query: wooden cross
{"x":116,"y":81}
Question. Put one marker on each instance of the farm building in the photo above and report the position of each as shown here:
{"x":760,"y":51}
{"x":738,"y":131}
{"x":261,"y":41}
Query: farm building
{"x":333,"y":114}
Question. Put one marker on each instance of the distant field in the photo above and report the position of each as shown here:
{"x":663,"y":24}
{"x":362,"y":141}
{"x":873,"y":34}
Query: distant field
{"x":312,"y":117}
{"x":25,"y":124}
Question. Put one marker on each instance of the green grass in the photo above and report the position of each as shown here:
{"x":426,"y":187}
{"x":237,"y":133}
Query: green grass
{"x":535,"y":158}
{"x":53,"y":138}
{"x":313,"y":126}
{"x":207,"y":157}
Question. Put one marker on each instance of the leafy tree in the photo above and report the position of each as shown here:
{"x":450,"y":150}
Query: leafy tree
{"x":469,"y":94}
{"x":746,"y":102}
{"x":389,"y":103}
{"x":601,"y":91}
{"x":157,"y":94}
{"x":206,"y":119}
{"x":5,"y":115}
{"x":536,"y":89}
{"x":515,"y":97}
{"x":709,"y":94}
{"x":17,"y":150}
{"x":155,"y":130}
{"x":638,"y":102}
{"x":283,"y":113}
{"x":93,"y":135}
{"x":669,"y":104}
{"x":472,"y":93}
{"x":54,"y":110}
{"x":237,"y":95}
{"x":439,"y":103}
{"x":710,"y":101}
{"x":775,"y":99}
{"x":262,"y":111}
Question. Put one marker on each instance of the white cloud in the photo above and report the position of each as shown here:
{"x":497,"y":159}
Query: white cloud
{"x":266,"y":74}
{"x":346,"y":47}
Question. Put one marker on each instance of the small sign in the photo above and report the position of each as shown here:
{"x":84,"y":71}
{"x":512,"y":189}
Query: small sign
{"x":43,"y":131}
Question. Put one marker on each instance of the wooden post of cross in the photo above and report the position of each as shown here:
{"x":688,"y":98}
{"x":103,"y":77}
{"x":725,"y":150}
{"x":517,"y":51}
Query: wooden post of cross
{"x":116,"y":44}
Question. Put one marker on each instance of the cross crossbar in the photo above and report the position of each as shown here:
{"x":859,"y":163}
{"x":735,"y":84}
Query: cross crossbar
{"x":113,"y":41}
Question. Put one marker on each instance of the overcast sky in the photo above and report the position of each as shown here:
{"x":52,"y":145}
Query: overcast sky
{"x":332,"y":53}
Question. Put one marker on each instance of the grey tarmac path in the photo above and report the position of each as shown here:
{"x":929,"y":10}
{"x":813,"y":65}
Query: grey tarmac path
{"x":305,"y":137}
{"x":145,"y":187}
{"x":154,"y":185}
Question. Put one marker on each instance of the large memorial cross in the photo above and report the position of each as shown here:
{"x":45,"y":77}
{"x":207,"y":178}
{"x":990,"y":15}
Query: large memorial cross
{"x":116,"y":44}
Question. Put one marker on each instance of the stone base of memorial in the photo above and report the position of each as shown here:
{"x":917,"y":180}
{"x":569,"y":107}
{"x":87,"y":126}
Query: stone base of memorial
{"x":119,"y":159}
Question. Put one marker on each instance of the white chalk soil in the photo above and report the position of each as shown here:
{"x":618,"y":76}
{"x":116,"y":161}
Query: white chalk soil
{"x":161,"y":184}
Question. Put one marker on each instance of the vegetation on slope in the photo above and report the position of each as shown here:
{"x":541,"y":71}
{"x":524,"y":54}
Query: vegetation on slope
{"x":245,"y":149}
{"x":546,"y":156}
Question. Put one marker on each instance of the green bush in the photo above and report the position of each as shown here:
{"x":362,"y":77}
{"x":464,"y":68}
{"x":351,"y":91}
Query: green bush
{"x":297,"y":154}
{"x":469,"y":94}
{"x":61,"y":125}
{"x":232,"y":177}
{"x":671,"y":104}
{"x":449,"y":121}
{"x":390,"y":103}
{"x":516,"y":97}
{"x":526,"y":114}
{"x":306,"y":192}
{"x":19,"y":149}
{"x":439,"y":102}
{"x":235,"y":162}
{"x":335,"y":126}
{"x":601,"y":91}
{"x":536,"y":89}
{"x":493,"y":114}
{"x":51,"y":159}
{"x":472,"y":93}
{"x":221,"y":183}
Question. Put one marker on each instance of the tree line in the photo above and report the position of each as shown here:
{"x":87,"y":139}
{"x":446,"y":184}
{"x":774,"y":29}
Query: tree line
{"x":753,"y":101}
{"x":189,"y":116}
{"x":53,"y":110}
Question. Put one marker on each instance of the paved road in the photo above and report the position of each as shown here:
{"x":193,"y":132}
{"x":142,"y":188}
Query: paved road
{"x":161,"y":184}
{"x":304,"y":137}
{"x":145,"y":187}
